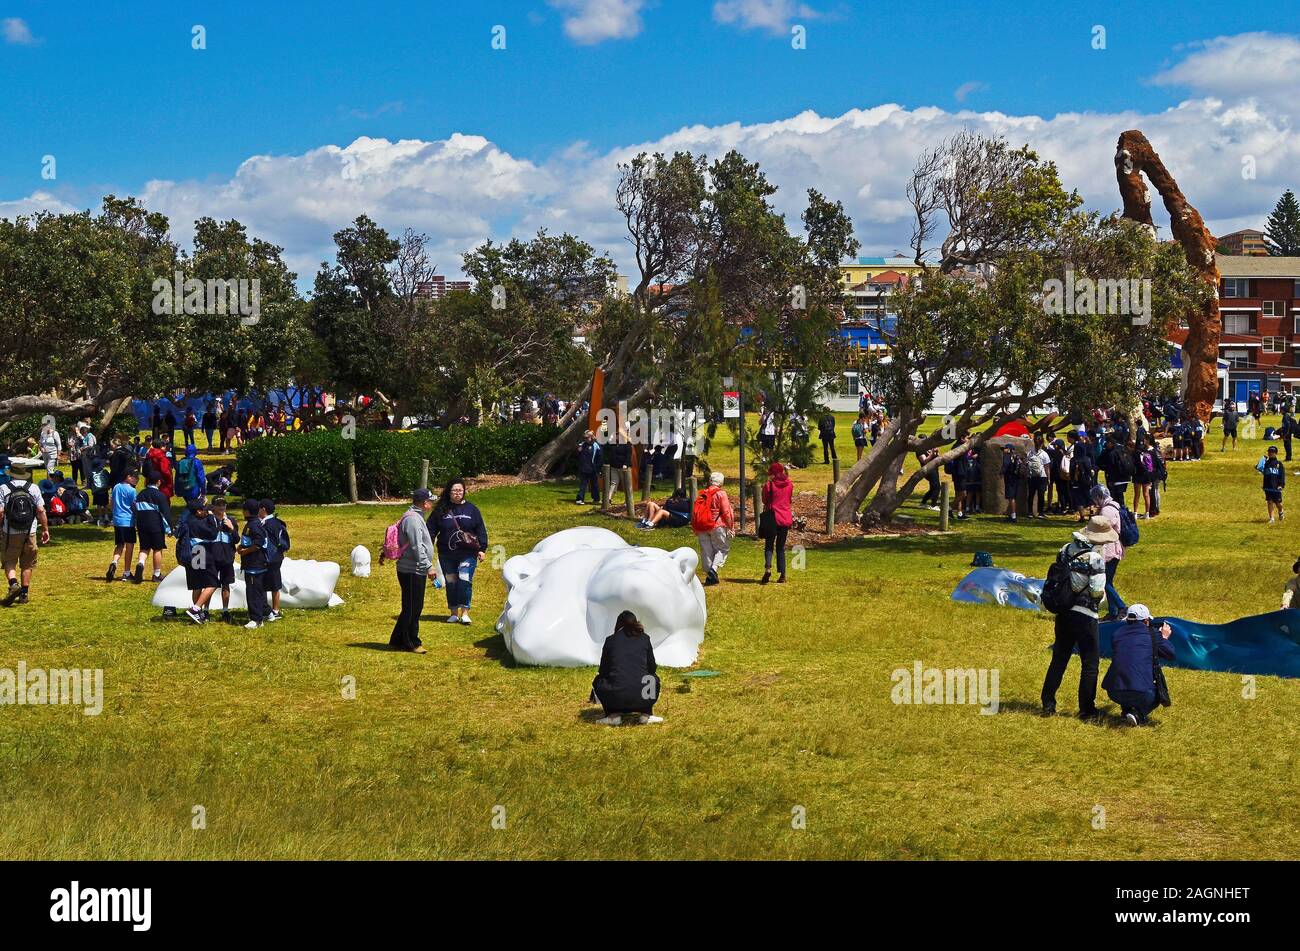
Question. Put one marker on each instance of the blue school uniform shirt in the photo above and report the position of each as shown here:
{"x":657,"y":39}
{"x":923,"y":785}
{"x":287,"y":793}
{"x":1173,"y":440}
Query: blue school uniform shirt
{"x":123,"y":502}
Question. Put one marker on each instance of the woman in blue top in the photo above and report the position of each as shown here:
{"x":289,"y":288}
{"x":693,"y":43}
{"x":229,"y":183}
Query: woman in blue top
{"x":461,"y":536}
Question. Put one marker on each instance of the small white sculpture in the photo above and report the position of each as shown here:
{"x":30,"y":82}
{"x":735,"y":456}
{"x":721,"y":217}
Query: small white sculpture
{"x":563,"y":598}
{"x":307,"y":584}
{"x":361,"y":562}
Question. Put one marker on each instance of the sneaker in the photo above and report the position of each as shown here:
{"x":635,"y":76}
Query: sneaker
{"x":275,"y":616}
{"x":1270,"y":520}
{"x":710,"y":579}
{"x":452,"y":619}
{"x":1049,"y":711}
{"x":464,"y":619}
{"x":252,"y":625}
{"x":1131,"y":719}
{"x":194,"y":614}
{"x":1012,"y":517}
{"x":14,"y":591}
{"x":138,"y":576}
{"x":22,"y":597}
{"x":112,"y":570}
{"x":614,"y":720}
{"x":649,"y":718}
{"x":419,"y":650}
{"x":579,"y":502}
{"x":157,"y":577}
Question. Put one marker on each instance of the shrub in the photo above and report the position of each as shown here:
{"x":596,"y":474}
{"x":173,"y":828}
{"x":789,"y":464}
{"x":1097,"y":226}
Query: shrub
{"x":29,"y":427}
{"x":313,"y":467}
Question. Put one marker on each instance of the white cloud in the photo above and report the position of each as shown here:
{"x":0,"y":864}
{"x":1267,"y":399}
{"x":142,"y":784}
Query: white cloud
{"x":465,"y":189}
{"x":1244,"y":65}
{"x":962,"y":92}
{"x":774,"y":16}
{"x":594,"y":21}
{"x":36,"y":201}
{"x":17,"y":32}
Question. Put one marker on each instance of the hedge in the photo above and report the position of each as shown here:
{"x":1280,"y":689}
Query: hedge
{"x":313,"y":467}
{"x":29,"y":427}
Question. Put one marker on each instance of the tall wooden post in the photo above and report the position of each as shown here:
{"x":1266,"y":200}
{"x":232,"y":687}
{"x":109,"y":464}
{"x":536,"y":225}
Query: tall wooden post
{"x":830,"y":509}
{"x":943,"y":507}
{"x":605,"y":489}
{"x":352,"y":481}
{"x":627,"y":492}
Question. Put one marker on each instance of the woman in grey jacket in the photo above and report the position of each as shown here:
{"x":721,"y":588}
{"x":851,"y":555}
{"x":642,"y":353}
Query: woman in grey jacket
{"x":414,"y":566}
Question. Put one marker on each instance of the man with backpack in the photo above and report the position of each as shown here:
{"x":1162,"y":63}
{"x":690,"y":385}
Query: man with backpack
{"x":1015,"y":469}
{"x":22,"y":509}
{"x":277,"y":543}
{"x":409,"y":542}
{"x":826,"y":433}
{"x":222,"y":551}
{"x":1274,"y":473}
{"x":190,"y":479}
{"x":713,"y":522}
{"x":197,"y":531}
{"x":1075,"y":584}
{"x":153,"y":523}
{"x":1230,"y":417}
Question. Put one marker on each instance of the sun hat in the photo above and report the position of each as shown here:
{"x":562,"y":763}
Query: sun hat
{"x":1098,"y":531}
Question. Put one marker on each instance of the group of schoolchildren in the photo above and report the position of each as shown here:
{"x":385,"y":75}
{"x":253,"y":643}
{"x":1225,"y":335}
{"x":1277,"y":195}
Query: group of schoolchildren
{"x":207,"y":540}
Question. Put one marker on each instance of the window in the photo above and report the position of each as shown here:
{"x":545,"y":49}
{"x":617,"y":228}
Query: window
{"x":1236,"y":287}
{"x":1295,"y":291}
{"x":1274,"y":308}
{"x":1236,"y":323}
{"x":1275,"y":344}
{"x":1237,"y":358}
{"x":848,"y":385}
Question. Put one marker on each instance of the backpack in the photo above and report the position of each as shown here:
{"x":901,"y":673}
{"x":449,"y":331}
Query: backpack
{"x":1128,"y":528}
{"x":702,"y":517}
{"x":1019,"y":465}
{"x":1058,"y":590}
{"x":185,"y":476}
{"x":184,"y":544}
{"x":278,"y":543}
{"x":20,"y":508}
{"x":393,"y":549}
{"x":99,"y":479}
{"x":1145,"y":461}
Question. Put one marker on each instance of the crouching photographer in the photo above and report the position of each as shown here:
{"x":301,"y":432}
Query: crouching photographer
{"x":1135,"y":680}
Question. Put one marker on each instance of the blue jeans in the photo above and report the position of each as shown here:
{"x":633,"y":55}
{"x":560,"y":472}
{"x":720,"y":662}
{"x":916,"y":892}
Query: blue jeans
{"x":458,"y":574}
{"x":1114,"y":603}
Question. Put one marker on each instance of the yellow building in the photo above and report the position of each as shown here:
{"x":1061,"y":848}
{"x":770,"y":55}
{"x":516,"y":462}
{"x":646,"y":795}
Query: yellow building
{"x":861,"y":270}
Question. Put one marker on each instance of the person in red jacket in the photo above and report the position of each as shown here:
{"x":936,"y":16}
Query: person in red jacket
{"x":157,"y":457}
{"x":778,"y":492}
{"x":713,"y":521}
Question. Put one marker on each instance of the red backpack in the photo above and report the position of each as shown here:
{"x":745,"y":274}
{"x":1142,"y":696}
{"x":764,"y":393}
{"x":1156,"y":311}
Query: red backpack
{"x":703,"y":518}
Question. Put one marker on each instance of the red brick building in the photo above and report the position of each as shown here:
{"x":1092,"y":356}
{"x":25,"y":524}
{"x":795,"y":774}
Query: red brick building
{"x":1259,"y":301}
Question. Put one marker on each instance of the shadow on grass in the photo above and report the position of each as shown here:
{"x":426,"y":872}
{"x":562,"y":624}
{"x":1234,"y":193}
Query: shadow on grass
{"x":494,"y":648}
{"x":374,"y":646}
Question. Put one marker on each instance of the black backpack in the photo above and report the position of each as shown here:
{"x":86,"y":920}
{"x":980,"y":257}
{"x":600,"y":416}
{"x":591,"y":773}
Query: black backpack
{"x":20,"y":508}
{"x":1058,"y":592}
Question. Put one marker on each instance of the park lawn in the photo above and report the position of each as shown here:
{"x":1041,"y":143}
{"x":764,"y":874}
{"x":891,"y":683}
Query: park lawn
{"x":253,"y":726}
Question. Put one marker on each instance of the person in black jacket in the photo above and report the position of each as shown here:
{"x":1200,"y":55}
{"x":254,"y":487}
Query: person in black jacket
{"x":200,"y":528}
{"x":1288,"y":429}
{"x":627,"y":682}
{"x":826,"y":433}
{"x":589,"y":463}
{"x":461,"y":536}
{"x":252,"y":561}
{"x":1135,"y":659}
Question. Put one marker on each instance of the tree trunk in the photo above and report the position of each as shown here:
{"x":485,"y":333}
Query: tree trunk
{"x":1133,"y":157}
{"x":109,"y":414}
{"x":887,"y":498}
{"x":856,"y":484}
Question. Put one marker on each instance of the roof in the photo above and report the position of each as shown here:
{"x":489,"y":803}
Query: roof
{"x":1232,"y":265}
{"x":1243,"y":233}
{"x":881,"y":262}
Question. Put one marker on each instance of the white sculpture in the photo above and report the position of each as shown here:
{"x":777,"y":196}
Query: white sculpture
{"x":361,"y":562}
{"x":563,"y":597}
{"x":307,"y":584}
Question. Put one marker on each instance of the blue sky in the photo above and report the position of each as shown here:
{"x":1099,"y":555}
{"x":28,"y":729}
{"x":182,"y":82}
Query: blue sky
{"x":117,"y":95}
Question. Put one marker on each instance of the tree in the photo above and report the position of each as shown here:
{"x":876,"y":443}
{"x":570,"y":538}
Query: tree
{"x":1282,"y":233}
{"x":987,"y":320}
{"x":722,"y":286}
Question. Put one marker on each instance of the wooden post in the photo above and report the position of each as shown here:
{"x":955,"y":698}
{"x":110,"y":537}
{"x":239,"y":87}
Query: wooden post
{"x":352,"y":480}
{"x":830,"y":509}
{"x":943,"y":507}
{"x":835,"y":468}
{"x":645,"y":483}
{"x":695,"y":488}
{"x":758,"y":502}
{"x":605,"y":489}
{"x":424,"y":473}
{"x":627,"y":492}
{"x":678,"y":481}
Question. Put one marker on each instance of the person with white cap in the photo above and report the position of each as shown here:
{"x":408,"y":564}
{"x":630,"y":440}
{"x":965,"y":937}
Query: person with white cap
{"x":1135,"y":660}
{"x":713,"y":522}
{"x":1076,"y":625}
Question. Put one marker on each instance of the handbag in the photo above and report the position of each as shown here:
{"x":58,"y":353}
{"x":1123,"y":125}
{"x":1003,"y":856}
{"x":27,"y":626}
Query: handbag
{"x":1159,"y":683}
{"x":767,"y":524}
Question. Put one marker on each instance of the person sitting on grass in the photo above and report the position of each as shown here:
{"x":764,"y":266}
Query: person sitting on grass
{"x":1135,"y":662}
{"x":1274,"y":473}
{"x":674,"y":513}
{"x":627,"y":684}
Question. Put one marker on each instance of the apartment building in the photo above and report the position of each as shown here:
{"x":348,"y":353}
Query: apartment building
{"x":1246,"y":241}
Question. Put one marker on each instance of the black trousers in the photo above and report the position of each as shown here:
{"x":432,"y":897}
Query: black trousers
{"x":777,"y":543}
{"x":406,"y":631}
{"x":932,"y":493}
{"x":587,"y":480}
{"x":1286,"y":441}
{"x":255,"y":594}
{"x":1037,"y":495}
{"x":828,"y":450}
{"x":1074,"y":630}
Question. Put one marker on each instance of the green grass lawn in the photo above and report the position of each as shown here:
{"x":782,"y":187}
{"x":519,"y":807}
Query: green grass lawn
{"x":253,"y":725}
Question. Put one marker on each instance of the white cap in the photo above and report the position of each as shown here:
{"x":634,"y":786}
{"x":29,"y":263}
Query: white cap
{"x":1137,"y":612}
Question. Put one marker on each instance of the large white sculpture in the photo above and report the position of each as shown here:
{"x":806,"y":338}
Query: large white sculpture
{"x":563,"y":597}
{"x":307,"y":584}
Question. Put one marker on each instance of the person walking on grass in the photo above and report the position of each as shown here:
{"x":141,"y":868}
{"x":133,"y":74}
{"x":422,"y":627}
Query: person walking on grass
{"x":415,"y":568}
{"x":462,"y":542}
{"x":778,"y":495}
{"x":1076,"y":626}
{"x":122,"y":505}
{"x":1112,"y":552}
{"x":153,"y":523}
{"x":50,"y":444}
{"x":1230,"y":418}
{"x":22,"y":511}
{"x":826,"y":433}
{"x":713,"y":522}
{"x":627,"y":683}
{"x":1274,"y":473}
{"x":589,"y":463}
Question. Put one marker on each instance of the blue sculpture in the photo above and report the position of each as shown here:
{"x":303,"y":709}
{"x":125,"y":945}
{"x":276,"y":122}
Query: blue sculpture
{"x":999,"y":586}
{"x":1265,"y":644}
